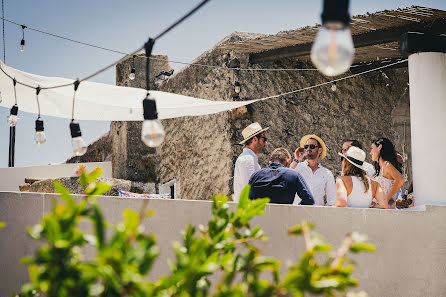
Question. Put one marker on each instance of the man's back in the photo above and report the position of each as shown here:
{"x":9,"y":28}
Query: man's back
{"x":280,"y":184}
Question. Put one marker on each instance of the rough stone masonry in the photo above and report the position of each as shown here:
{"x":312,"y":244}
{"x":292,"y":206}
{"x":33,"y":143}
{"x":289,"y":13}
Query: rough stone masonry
{"x":200,"y":152}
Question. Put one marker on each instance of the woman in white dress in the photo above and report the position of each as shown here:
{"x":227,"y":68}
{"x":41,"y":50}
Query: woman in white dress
{"x":389,"y":170}
{"x":355,"y":188}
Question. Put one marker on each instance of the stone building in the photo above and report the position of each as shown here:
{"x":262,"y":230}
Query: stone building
{"x":198,"y":154}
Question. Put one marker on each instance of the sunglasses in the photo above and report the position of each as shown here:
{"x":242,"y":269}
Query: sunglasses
{"x":311,"y":146}
{"x":344,"y":149}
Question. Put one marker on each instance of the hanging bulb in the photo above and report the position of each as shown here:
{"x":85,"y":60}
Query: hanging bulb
{"x":40,"y":137}
{"x":132,"y":74}
{"x":237,"y":87}
{"x":79,"y":146}
{"x":333,"y":50}
{"x":22,"y":45}
{"x":13,"y":118}
{"x":333,"y":87}
{"x":152,"y":132}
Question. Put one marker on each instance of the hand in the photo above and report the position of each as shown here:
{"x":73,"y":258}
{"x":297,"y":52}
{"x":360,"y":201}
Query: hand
{"x":299,"y":154}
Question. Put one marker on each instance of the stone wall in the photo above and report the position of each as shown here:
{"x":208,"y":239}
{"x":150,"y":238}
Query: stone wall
{"x":200,"y":152}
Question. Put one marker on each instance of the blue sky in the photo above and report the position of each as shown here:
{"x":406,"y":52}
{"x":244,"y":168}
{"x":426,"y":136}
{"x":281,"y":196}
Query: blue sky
{"x":124,"y":26}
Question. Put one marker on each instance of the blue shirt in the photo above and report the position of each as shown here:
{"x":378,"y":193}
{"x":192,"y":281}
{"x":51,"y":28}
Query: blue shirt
{"x":280,"y":184}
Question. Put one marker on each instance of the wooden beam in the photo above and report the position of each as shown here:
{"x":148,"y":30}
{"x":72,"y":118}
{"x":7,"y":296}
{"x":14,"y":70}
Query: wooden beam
{"x":361,"y":67}
{"x":436,"y":26}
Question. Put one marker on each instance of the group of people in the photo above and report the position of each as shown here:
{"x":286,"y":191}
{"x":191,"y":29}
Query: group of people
{"x":303,"y":180}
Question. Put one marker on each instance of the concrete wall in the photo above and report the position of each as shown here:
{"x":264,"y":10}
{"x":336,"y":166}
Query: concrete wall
{"x":11,"y":178}
{"x":410,"y":258}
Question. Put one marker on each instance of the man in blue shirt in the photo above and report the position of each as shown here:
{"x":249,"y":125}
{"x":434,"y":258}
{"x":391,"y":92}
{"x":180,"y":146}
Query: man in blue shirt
{"x":278,"y":182}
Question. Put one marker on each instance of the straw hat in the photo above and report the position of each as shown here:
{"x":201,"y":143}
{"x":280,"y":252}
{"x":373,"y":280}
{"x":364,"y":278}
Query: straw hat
{"x":356,"y":156}
{"x":304,"y":140}
{"x":251,"y":131}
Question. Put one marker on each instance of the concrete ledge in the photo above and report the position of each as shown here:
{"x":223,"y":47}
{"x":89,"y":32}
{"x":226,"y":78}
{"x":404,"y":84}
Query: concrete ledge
{"x":410,"y":258}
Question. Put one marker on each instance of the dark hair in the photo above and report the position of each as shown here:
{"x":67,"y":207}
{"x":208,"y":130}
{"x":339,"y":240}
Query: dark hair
{"x":387,"y":153}
{"x":318,"y":143}
{"x":280,"y":154}
{"x":354,"y":143}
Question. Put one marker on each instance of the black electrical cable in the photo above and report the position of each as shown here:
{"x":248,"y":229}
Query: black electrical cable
{"x":118,"y":61}
{"x":3,"y":21}
{"x":37,"y":99}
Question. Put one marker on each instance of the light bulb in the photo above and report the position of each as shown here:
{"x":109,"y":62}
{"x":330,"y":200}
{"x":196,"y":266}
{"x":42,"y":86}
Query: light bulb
{"x":13,"y":118}
{"x":333,"y":87}
{"x":79,"y":146}
{"x":40,"y":137}
{"x":132,"y":74}
{"x":22,"y":45}
{"x":152,"y":133}
{"x":332,"y":52}
{"x":237,"y":88}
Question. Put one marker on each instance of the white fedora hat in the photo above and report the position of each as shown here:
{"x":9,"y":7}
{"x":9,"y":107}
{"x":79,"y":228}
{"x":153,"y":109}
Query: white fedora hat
{"x":356,"y":156}
{"x":251,"y":131}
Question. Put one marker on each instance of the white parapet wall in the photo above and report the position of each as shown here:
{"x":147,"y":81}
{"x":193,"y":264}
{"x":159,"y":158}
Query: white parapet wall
{"x":410,"y":259}
{"x":11,"y":178}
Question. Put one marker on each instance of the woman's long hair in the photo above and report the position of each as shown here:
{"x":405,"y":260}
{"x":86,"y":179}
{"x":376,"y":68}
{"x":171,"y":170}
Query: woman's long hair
{"x":348,"y":169}
{"x":387,"y":153}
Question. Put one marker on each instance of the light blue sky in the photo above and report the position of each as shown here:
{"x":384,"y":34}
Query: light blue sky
{"x":124,"y":26}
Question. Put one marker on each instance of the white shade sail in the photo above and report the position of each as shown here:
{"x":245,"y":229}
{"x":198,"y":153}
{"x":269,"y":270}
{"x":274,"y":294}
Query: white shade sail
{"x":98,"y":101}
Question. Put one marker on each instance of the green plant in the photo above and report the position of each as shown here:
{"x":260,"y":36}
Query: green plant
{"x":227,"y":245}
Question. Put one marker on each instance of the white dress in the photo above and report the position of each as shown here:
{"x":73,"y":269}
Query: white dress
{"x":386,"y":185}
{"x":358,"y":198}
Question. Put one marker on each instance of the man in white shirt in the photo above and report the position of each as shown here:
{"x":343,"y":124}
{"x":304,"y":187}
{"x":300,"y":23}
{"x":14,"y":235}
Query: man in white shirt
{"x":247,"y":163}
{"x":369,"y":168}
{"x":319,"y":179}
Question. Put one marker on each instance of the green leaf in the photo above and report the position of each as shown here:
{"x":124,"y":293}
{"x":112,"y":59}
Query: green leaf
{"x":244,"y":197}
{"x":93,"y":175}
{"x":98,"y":221}
{"x":131,"y":219}
{"x":2,"y":224}
{"x":322,"y":248}
{"x":98,"y":189}
{"x":64,"y":193}
{"x":296,"y":230}
{"x":362,"y":247}
{"x":35,"y":231}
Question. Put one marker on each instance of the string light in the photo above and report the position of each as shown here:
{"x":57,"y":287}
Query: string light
{"x":152,"y":132}
{"x":133,"y":71}
{"x":332,"y":51}
{"x":78,"y":144}
{"x":236,"y":91}
{"x":22,"y":42}
{"x":40,"y":137}
{"x":13,"y":118}
{"x":333,"y":87}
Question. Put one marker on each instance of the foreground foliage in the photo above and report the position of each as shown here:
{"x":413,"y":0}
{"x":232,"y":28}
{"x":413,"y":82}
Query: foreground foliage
{"x":125,"y":253}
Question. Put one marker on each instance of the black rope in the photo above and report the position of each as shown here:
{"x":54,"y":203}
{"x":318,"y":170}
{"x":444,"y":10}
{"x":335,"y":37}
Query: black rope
{"x":76,"y":86}
{"x":3,"y":21}
{"x":37,"y":98}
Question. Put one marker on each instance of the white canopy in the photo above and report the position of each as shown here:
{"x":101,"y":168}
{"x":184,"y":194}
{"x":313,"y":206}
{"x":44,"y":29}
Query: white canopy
{"x":97,"y":101}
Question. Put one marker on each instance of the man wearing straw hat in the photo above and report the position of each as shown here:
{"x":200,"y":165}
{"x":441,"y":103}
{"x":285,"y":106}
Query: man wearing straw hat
{"x":319,"y":179}
{"x":247,"y":163}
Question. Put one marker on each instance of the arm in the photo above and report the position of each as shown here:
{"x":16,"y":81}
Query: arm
{"x":378,"y":194}
{"x":304,"y":192}
{"x":299,"y":156}
{"x":330,"y":189}
{"x":395,"y":175}
{"x":341,"y":193}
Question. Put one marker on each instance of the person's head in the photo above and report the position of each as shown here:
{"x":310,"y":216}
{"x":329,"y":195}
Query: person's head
{"x":281,"y":155}
{"x":383,"y":149}
{"x":349,"y":143}
{"x":257,"y":143}
{"x":313,"y":148}
{"x":353,"y":164}
{"x":254,"y":137}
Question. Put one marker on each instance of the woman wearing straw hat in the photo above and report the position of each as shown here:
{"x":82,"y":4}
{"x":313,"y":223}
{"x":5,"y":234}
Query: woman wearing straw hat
{"x":355,"y":188}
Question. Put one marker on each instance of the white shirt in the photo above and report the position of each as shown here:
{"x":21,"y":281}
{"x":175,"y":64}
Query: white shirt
{"x":247,"y":163}
{"x":321,"y":183}
{"x":369,"y":169}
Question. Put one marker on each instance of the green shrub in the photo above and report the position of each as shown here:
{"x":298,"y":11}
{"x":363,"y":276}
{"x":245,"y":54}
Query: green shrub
{"x":227,"y":244}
